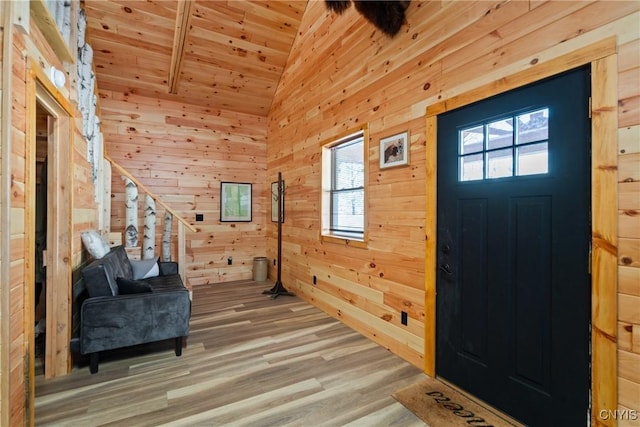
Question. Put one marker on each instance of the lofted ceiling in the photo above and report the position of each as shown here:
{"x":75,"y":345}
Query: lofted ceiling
{"x":222,"y":54}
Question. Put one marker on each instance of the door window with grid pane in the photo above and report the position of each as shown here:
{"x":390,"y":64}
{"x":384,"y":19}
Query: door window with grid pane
{"x":343,"y":177}
{"x":512,"y":146}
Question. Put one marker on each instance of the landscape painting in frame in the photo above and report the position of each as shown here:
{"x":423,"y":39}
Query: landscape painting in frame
{"x":394,"y":150}
{"x":235,"y":202}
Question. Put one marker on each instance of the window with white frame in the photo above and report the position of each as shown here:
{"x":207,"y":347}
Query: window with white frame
{"x":344,"y":186}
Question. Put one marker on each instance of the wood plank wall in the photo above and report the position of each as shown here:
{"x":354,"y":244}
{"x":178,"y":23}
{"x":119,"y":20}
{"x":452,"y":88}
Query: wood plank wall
{"x":341,"y":73}
{"x":35,"y":47}
{"x":16,"y":281}
{"x":182,"y":152}
{"x":629,"y":237}
{"x":5,"y":290}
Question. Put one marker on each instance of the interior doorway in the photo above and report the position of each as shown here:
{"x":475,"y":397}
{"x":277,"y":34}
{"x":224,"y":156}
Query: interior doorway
{"x":43,"y":125}
{"x":50,"y":134}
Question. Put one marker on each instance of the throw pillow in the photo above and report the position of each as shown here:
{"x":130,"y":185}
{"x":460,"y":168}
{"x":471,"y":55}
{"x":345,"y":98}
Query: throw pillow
{"x":145,"y":268}
{"x":126,"y":286}
{"x":95,"y":244}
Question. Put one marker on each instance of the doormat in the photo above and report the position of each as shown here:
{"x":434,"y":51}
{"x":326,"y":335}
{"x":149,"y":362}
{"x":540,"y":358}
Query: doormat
{"x":440,"y":405}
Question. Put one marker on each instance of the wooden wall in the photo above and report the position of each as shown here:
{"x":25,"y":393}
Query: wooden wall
{"x":629,"y":236}
{"x":181,"y":153}
{"x":30,"y":48}
{"x":629,"y":225}
{"x":13,"y":344}
{"x":342,"y":73}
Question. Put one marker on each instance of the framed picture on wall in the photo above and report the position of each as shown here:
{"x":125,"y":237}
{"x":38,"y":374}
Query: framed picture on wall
{"x":235,"y":202}
{"x":274,"y":202}
{"x":394,"y":150}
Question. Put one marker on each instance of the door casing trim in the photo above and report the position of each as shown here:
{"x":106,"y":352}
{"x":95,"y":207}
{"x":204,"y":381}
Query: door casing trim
{"x":39,"y":90}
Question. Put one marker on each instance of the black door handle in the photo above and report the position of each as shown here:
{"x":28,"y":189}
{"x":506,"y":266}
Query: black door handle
{"x":446,"y":269}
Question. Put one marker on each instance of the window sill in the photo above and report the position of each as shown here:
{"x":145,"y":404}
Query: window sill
{"x":344,"y":241}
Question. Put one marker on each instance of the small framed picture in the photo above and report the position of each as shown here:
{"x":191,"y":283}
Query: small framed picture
{"x":235,"y":202}
{"x":394,"y":150}
{"x":274,"y":202}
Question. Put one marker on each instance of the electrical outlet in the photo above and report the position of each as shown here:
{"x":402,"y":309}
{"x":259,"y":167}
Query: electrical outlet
{"x":199,"y":217}
{"x":404,"y":318}
{"x":314,"y":280}
{"x":229,"y":260}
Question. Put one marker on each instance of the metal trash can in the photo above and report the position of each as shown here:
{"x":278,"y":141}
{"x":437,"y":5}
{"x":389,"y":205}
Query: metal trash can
{"x":260,"y":268}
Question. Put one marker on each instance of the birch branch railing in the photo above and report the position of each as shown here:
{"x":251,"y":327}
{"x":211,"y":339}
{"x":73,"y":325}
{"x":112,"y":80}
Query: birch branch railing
{"x":182,"y":223}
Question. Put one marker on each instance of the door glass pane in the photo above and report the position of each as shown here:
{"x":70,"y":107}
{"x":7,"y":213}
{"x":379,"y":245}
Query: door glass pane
{"x":533,"y":159}
{"x":487,"y":151}
{"x":499,"y":163}
{"x":500,"y":134}
{"x":471,"y":167}
{"x":472,"y":140}
{"x":533,"y":126}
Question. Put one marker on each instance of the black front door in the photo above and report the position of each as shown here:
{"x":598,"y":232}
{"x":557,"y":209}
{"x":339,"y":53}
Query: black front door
{"x":513,"y":287}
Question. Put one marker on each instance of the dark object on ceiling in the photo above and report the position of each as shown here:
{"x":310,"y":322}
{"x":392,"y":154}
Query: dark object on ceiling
{"x":387,"y":16}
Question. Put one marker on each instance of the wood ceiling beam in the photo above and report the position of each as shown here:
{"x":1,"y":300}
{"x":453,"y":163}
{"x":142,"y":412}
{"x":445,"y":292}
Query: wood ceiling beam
{"x":183,"y":22}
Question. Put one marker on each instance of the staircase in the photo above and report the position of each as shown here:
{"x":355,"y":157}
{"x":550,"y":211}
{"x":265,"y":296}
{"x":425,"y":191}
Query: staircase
{"x":144,"y":245}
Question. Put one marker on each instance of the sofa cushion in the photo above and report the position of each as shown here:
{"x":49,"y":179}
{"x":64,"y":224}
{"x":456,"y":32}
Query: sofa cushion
{"x":145,"y":268}
{"x":128,"y":286}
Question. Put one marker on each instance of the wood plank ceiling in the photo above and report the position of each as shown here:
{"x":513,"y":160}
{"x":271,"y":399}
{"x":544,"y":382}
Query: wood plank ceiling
{"x":213,"y":53}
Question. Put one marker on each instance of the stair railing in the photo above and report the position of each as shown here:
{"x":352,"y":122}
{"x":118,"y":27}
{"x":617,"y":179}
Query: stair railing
{"x":183,"y":224}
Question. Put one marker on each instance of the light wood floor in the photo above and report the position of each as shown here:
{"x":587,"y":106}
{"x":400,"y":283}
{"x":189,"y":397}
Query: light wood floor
{"x":249,"y":361}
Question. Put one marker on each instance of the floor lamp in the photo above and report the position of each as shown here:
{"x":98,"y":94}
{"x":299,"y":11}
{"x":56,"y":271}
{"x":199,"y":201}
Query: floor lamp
{"x":278,"y":289}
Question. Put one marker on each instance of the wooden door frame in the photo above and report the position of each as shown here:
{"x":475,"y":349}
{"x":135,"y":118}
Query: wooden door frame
{"x":41,"y":91}
{"x":603,"y":59}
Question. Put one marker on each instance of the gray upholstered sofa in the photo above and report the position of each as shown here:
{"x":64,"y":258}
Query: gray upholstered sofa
{"x":121,"y":312}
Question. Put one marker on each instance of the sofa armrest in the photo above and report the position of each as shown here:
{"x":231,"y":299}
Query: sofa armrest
{"x":101,"y":274}
{"x":168,"y":267}
{"x":96,"y":279}
{"x":120,"y":321}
